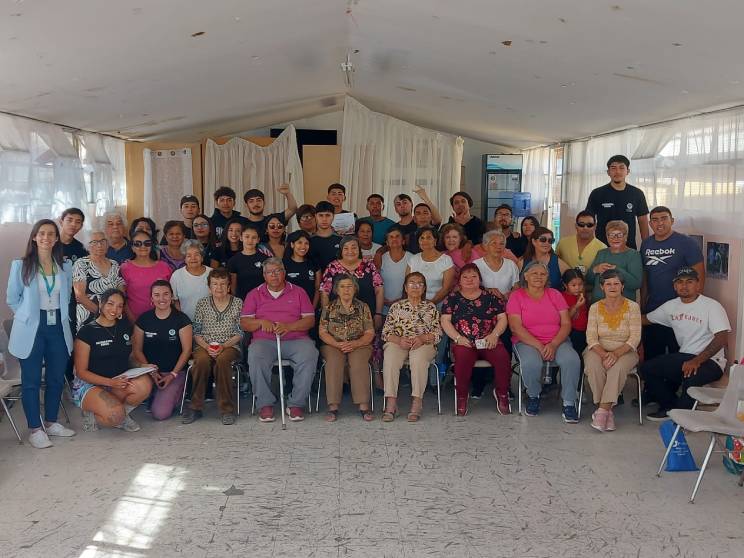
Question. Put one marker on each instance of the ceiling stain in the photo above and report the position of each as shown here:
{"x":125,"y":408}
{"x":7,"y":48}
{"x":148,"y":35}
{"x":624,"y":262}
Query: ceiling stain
{"x":638,"y":78}
{"x":506,"y":43}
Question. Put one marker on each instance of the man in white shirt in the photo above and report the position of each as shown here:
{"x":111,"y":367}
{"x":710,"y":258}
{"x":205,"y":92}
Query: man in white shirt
{"x":701,"y":327}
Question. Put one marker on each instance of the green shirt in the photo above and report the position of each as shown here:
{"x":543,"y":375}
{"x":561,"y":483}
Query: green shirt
{"x":628,"y":263}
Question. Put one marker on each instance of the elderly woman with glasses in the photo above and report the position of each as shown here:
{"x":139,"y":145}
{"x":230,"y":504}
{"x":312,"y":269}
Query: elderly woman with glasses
{"x":190,"y":282}
{"x":620,"y":257}
{"x":141,"y":272}
{"x":347,"y":331}
{"x":540,"y":324}
{"x":540,"y":249}
{"x":92,"y":276}
{"x":411,"y":332}
{"x":613,"y":334}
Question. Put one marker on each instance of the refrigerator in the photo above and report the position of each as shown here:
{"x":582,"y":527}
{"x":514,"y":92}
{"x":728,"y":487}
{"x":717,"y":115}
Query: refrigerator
{"x":502,"y":183}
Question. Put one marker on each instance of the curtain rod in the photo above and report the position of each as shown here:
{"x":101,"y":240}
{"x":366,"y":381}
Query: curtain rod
{"x":64,"y":126}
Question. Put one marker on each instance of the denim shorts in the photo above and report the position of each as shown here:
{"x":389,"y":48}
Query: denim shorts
{"x":80,"y":389}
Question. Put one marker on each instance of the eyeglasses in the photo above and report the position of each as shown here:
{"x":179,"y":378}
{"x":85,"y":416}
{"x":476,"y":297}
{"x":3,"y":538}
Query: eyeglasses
{"x":100,"y":242}
{"x":307,"y":217}
{"x":276,"y":227}
{"x":616,"y":235}
{"x":273,"y":271}
{"x":585,"y":225}
{"x":142,"y":243}
{"x":201,"y":225}
{"x":415,"y":284}
{"x":546,"y":239}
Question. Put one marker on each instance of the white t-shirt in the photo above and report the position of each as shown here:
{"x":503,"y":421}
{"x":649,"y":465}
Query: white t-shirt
{"x":503,"y":279}
{"x":188,"y":289}
{"x":370,"y":253}
{"x":432,"y":271}
{"x":694,"y":324}
{"x":393,"y":274}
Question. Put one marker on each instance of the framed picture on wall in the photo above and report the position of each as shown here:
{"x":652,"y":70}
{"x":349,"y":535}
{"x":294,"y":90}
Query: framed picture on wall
{"x":717,"y":260}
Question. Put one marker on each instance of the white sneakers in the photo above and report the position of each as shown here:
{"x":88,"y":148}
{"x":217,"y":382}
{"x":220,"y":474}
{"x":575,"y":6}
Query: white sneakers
{"x":40,"y":439}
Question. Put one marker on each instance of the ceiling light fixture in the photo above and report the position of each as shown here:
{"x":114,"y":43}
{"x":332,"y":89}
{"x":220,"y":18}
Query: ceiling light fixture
{"x":347,"y":67}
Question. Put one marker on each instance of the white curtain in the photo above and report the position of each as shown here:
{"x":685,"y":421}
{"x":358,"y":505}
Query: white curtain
{"x":384,"y":155}
{"x":45,"y":168}
{"x":243,"y":165}
{"x":538,"y":177}
{"x":168,"y":177}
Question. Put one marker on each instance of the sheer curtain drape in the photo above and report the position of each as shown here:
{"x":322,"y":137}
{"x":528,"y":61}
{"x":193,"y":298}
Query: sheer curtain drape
{"x":243,"y":165}
{"x":45,"y":168}
{"x":384,"y":155}
{"x":168,"y":177}
{"x":537,"y":177}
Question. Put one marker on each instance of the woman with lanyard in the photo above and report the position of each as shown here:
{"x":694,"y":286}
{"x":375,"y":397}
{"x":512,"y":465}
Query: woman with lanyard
{"x":102,"y":350}
{"x":162,"y":339}
{"x":540,"y":249}
{"x":39,"y":289}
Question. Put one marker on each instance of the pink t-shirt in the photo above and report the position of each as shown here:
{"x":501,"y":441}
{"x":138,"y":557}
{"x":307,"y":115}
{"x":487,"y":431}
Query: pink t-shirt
{"x":138,"y":280}
{"x":540,"y":317}
{"x":290,"y":306}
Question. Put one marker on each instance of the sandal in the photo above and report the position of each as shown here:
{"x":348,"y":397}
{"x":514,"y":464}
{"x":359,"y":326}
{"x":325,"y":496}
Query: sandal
{"x":389,"y":416}
{"x":415,"y":413}
{"x":331,"y":415}
{"x":367,"y":415}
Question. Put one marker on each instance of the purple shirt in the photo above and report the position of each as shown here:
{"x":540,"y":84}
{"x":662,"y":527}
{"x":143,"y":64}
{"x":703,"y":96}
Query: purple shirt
{"x":292,"y":305}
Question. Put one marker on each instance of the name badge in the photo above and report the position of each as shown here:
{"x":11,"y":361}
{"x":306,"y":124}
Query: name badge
{"x":51,"y":317}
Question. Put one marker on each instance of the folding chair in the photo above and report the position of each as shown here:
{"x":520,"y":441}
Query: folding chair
{"x":237,"y":367}
{"x":723,"y":421}
{"x":634,"y":374}
{"x":371,"y":387}
{"x":6,"y":386}
{"x":478,"y":364}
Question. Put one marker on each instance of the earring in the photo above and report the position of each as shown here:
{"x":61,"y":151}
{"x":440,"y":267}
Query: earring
{"x":119,"y":317}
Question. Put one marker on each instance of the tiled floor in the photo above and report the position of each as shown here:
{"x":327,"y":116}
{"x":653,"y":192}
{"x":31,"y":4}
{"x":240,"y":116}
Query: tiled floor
{"x":484,"y":485}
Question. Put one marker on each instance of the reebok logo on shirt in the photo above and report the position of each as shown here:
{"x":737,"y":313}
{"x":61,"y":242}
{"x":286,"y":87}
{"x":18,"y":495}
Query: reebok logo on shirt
{"x":659,"y":255}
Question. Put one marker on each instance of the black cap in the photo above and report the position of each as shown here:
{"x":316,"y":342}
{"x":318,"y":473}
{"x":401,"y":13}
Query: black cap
{"x":190,"y":199}
{"x":686,"y":273}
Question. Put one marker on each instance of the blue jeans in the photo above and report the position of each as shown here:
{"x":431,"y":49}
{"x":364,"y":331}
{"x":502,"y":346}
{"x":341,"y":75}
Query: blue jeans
{"x":531,"y":363}
{"x":50,"y":350}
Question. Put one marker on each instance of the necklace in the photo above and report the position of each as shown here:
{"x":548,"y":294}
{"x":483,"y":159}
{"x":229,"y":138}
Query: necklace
{"x":108,"y":329}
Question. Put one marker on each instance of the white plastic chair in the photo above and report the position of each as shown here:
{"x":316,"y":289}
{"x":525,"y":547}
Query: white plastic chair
{"x":637,"y":377}
{"x":723,"y":421}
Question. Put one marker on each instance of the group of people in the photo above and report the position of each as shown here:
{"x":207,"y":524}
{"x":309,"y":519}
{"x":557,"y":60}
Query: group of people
{"x":135,"y":308}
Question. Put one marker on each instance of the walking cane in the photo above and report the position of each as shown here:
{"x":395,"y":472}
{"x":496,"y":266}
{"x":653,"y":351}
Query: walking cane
{"x":281,"y":380}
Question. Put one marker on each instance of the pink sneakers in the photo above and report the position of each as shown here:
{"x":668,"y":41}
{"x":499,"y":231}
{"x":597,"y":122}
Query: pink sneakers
{"x":599,"y":419}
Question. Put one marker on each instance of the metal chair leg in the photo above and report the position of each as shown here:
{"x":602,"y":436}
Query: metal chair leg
{"x":439,"y":392}
{"x":640,"y":398}
{"x":668,"y":450}
{"x":185,"y":384}
{"x":12,"y":422}
{"x":320,"y":386}
{"x":454,"y":385}
{"x":372,"y":387}
{"x":704,"y":467}
{"x":64,"y":411}
{"x":236,"y":370}
{"x":581,"y":393}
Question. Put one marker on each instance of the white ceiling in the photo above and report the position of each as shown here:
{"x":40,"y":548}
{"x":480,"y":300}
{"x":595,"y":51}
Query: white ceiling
{"x":574,"y":67}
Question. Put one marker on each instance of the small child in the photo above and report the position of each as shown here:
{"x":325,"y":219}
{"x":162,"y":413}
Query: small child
{"x":573,"y":283}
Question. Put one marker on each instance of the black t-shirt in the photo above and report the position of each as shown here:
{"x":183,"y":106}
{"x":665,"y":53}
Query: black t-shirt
{"x":110,"y":347}
{"x":474,"y":229}
{"x":517,"y":245}
{"x":219,"y":221}
{"x":249,"y":272}
{"x":162,"y":343}
{"x":222,"y":254}
{"x":324,"y":249}
{"x":73,"y":251}
{"x":302,"y":274}
{"x":608,"y":204}
{"x":408,"y":229}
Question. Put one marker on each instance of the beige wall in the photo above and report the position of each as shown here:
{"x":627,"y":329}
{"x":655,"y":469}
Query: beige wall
{"x":322,"y":167}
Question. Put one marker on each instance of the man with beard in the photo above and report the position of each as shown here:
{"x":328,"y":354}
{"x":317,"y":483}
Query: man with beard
{"x":255,"y":203}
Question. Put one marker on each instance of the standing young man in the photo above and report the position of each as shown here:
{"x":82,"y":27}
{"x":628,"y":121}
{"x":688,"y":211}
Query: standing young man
{"x":619,"y":200}
{"x":189,"y":209}
{"x":255,"y":203}
{"x":663,"y":255}
{"x":380,"y":224}
{"x":504,"y":220}
{"x":701,"y":327}
{"x":461,"y":203}
{"x":336,"y":197}
{"x":404,"y":208}
{"x":224,"y":204}
{"x":579,"y":250}
{"x":71,"y":223}
{"x":306,"y":218}
{"x":324,"y":245}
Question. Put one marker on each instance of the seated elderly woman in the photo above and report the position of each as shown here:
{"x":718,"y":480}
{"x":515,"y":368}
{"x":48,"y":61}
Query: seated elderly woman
{"x":217,"y":338}
{"x":102,"y":354}
{"x":613,"y":334}
{"x":620,"y":257}
{"x":347,"y":331}
{"x":411,"y":332}
{"x":540,"y":324}
{"x":473,"y":319}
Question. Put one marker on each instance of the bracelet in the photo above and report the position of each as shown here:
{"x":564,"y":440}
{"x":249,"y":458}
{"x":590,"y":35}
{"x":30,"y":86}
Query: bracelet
{"x":378,"y":313}
{"x":174,"y":374}
{"x":457,"y":339}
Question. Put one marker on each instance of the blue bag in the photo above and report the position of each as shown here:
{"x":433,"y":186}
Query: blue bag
{"x":680,"y":458}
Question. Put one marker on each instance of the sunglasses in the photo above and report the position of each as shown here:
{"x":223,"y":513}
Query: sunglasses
{"x":585,"y":225}
{"x":142,"y":243}
{"x":546,"y":239}
{"x":276,"y":227}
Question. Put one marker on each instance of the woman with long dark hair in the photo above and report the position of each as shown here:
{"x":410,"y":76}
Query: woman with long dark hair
{"x":301,"y":270}
{"x":540,"y":249}
{"x":204,"y":233}
{"x":140,"y":272}
{"x":230,"y":244}
{"x":39,"y":289}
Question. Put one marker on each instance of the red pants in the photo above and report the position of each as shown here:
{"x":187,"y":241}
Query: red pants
{"x":465,"y":358}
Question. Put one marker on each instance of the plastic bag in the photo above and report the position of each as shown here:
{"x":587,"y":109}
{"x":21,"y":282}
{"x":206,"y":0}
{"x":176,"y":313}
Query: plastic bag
{"x":680,"y":458}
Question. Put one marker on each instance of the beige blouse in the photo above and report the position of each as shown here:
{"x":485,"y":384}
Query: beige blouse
{"x":612,"y":330}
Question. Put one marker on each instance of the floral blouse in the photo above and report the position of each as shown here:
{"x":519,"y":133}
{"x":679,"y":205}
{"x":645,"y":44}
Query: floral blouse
{"x":406,"y":320}
{"x":346,"y":325}
{"x":366,"y":274}
{"x":473,"y":319}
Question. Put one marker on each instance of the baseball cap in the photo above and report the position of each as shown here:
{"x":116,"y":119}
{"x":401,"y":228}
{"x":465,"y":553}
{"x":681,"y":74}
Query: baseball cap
{"x":686,"y":273}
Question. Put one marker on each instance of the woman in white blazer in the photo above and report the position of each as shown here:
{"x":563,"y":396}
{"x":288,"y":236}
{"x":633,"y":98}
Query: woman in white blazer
{"x":39,"y":288}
